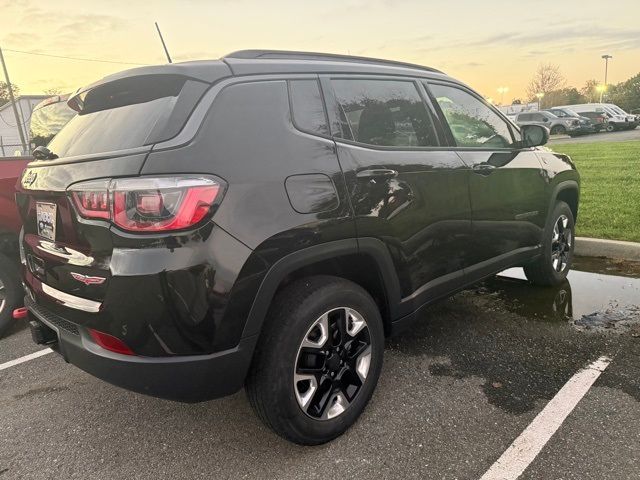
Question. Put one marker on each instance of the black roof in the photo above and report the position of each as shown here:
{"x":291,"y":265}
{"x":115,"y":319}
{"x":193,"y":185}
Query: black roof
{"x":255,"y":62}
{"x":315,"y":56}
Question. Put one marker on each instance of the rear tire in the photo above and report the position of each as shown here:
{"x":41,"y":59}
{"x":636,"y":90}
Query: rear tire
{"x":558,"y":130}
{"x":299,"y":385}
{"x":554,"y":263}
{"x":610,"y":128}
{"x":10,"y":293}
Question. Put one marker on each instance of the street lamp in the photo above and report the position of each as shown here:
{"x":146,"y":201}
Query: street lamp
{"x":539,"y":95}
{"x":502,"y":91}
{"x":606,"y":71}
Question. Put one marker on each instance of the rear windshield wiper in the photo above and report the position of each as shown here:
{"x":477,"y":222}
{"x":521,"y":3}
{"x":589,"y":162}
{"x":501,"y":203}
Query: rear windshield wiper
{"x":43,"y":153}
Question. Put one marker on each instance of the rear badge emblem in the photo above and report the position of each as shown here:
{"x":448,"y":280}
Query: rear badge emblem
{"x":87,"y":280}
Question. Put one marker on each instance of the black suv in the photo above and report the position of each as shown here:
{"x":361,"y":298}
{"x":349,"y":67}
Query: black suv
{"x":267,"y":219}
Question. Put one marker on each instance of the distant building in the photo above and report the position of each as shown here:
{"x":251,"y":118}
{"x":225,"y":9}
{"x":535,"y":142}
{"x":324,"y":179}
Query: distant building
{"x":10,"y":143}
{"x":512,"y":110}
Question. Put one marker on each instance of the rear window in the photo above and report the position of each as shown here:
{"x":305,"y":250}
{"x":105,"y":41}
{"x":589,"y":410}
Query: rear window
{"x":127,"y":113}
{"x":48,"y":120}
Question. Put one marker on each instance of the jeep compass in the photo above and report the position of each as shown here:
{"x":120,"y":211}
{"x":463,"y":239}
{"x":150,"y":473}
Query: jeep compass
{"x":267,"y":219}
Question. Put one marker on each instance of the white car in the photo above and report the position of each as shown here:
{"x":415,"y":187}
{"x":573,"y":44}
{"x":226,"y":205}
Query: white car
{"x":618,"y":118}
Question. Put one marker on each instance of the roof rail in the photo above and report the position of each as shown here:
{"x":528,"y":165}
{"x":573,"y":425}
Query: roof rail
{"x":293,"y":55}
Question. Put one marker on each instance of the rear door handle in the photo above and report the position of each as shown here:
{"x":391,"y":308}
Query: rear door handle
{"x":483,"y":168}
{"x":377,"y":173}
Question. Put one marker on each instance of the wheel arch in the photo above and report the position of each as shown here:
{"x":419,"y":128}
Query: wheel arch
{"x":568,"y":192}
{"x":366,"y":262}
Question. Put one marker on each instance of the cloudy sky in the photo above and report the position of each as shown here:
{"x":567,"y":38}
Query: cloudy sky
{"x":488,"y":44}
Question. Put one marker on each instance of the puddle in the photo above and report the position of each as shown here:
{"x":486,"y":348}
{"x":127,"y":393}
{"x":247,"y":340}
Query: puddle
{"x":589,"y":301}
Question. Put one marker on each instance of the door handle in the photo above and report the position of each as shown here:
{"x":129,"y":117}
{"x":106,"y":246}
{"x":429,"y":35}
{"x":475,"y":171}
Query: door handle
{"x":377,"y":173}
{"x":483,"y":168}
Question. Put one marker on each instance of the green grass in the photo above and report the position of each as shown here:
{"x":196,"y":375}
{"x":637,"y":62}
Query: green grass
{"x":610,"y":191}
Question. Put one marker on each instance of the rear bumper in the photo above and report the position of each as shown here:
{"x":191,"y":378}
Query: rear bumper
{"x":182,"y":378}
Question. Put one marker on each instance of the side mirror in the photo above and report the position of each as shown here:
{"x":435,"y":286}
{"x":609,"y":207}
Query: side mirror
{"x":534,"y":135}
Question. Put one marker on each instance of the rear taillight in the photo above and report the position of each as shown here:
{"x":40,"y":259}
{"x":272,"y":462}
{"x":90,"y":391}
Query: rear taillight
{"x":109,"y":342}
{"x":146,"y":204}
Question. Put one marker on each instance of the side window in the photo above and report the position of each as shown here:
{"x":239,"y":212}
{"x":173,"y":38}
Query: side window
{"x":387,"y":113}
{"x":538,"y":117}
{"x":472,"y":122}
{"x":307,"y":106}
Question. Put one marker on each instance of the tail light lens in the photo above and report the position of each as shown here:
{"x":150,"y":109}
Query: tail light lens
{"x":109,"y":342}
{"x":146,"y":204}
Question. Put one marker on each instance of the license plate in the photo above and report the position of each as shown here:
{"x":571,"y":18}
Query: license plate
{"x":46,"y":219}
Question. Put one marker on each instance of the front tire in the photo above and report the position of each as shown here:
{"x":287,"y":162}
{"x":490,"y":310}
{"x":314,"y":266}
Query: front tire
{"x":553,"y":265}
{"x":318,"y":360}
{"x":558,"y":130}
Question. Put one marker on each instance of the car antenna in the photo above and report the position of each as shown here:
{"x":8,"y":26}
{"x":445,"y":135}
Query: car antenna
{"x":164,"y":45}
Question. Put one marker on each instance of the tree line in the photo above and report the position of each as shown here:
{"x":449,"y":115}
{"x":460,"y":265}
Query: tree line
{"x":549,"y":80}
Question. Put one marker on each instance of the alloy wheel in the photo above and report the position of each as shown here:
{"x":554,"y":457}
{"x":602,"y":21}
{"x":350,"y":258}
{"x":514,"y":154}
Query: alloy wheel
{"x":561,"y":244}
{"x":332,"y":363}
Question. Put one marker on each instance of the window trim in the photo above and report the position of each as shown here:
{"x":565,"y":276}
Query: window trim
{"x":330,"y":96}
{"x":453,"y":144}
{"x":322,"y":101}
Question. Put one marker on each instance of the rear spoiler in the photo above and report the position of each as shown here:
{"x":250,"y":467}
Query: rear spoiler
{"x":207,"y":71}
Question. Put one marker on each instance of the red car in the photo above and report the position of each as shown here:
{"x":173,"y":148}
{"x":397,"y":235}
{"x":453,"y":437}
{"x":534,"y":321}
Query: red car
{"x":48,"y":117}
{"x":11,"y":294}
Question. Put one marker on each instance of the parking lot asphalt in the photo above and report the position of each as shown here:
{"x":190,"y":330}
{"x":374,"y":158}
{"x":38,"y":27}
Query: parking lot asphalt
{"x":455,"y":392}
{"x":621,"y":136}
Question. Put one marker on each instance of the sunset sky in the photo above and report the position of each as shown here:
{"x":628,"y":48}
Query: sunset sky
{"x":487,"y":44}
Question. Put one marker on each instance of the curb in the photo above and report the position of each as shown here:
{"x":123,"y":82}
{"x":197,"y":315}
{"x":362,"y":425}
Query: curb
{"x":598,"y":247}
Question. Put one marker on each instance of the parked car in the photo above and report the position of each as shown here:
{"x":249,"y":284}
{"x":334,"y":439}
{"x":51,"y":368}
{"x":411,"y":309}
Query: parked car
{"x":556,"y":126}
{"x":11,"y":294}
{"x":599,"y":119}
{"x":631,"y":120}
{"x":268,"y":218}
{"x":585,"y":124}
{"x":617,"y":120}
{"x":48,"y":118}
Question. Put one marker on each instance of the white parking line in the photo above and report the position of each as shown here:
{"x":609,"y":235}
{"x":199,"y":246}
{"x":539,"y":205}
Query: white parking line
{"x":532,"y":440}
{"x":26,"y":358}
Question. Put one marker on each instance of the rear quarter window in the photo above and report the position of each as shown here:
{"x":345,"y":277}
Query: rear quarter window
{"x":307,"y":107}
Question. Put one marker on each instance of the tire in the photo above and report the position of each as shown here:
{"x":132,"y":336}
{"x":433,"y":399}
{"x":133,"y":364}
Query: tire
{"x":297,"y":316}
{"x":558,"y":130}
{"x":554,"y":263}
{"x":11,"y":296}
{"x":610,"y":128}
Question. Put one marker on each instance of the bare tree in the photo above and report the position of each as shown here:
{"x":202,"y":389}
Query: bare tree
{"x":546,"y":79}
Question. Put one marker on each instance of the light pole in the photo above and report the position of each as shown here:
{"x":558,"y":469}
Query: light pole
{"x":606,"y":71}
{"x":502,"y":91}
{"x":539,"y":97}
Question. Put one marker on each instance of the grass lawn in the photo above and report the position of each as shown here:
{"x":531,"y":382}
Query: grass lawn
{"x":610,"y":191}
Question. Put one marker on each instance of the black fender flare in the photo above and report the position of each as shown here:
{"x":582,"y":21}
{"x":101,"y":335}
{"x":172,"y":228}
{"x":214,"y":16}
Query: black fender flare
{"x":564,"y":185}
{"x":372,"y":247}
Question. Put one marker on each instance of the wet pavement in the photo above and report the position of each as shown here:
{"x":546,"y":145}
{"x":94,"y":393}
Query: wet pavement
{"x":455,"y":391}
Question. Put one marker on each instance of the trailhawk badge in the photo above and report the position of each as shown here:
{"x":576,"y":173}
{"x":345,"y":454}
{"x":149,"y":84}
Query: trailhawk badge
{"x":87,"y":280}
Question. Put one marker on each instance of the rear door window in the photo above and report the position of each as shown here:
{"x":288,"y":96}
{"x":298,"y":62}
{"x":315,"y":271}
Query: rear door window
{"x":388,"y":113}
